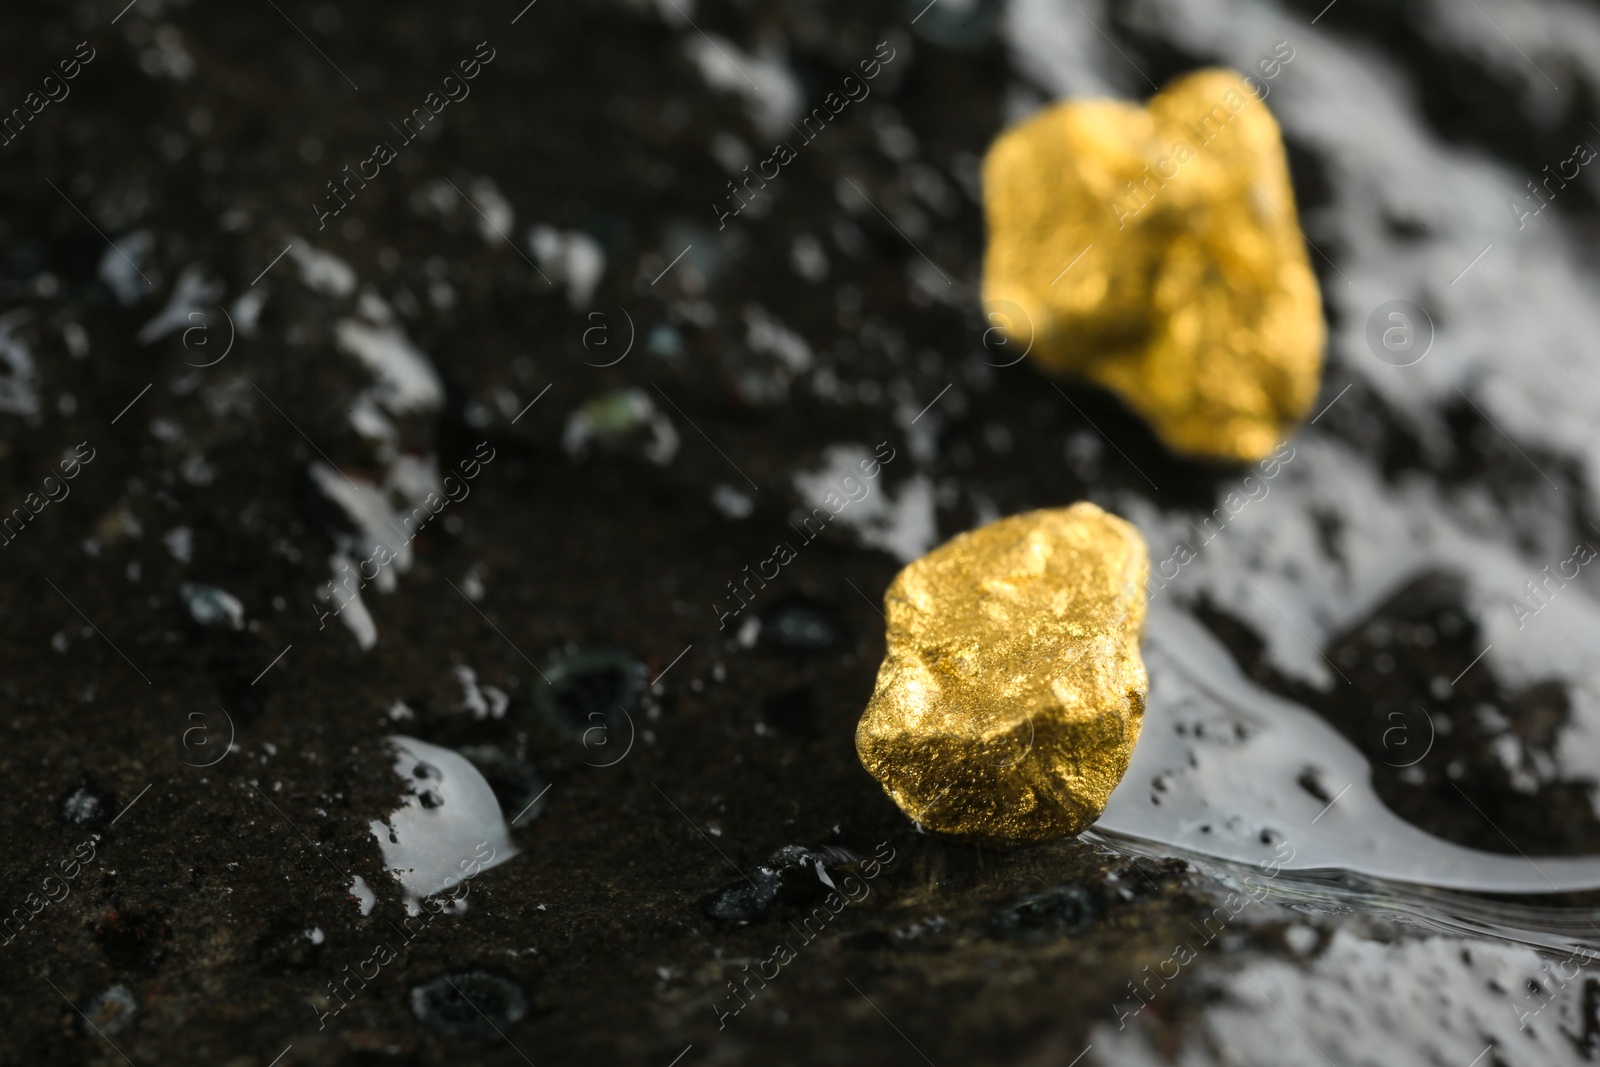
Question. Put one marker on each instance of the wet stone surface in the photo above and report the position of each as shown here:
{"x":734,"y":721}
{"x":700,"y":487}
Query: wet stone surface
{"x":312,"y":450}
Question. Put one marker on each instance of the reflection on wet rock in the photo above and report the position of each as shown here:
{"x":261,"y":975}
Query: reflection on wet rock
{"x":1219,"y":771}
{"x":470,"y":1004}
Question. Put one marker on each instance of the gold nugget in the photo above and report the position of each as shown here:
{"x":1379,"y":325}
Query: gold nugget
{"x":1154,"y":250}
{"x":1011,"y":694}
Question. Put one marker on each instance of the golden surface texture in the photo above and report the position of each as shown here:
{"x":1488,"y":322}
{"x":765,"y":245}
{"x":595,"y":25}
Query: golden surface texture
{"x":1194,"y":300}
{"x":1011,"y":694}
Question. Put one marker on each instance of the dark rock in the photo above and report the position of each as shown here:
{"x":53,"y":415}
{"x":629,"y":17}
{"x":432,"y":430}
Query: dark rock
{"x":1054,"y":913}
{"x":745,"y":900}
{"x":793,"y":876}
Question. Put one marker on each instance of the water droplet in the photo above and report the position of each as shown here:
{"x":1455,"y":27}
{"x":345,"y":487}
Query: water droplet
{"x":470,"y":1004}
{"x":445,"y":831}
{"x":590,"y":688}
{"x":798,"y":626}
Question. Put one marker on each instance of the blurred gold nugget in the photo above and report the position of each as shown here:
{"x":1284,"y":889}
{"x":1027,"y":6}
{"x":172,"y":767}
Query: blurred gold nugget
{"x":1012,"y":691}
{"x":1195,"y":300}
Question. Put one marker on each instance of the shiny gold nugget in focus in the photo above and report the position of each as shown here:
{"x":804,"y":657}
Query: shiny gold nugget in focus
{"x":1012,"y":691}
{"x":1195,"y":300}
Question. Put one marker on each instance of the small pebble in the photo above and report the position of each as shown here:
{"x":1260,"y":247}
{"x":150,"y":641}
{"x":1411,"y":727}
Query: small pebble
{"x":85,"y":806}
{"x":1047,"y":915}
{"x":793,"y":875}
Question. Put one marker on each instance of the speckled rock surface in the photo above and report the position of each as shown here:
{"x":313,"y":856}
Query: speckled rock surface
{"x":363,"y":408}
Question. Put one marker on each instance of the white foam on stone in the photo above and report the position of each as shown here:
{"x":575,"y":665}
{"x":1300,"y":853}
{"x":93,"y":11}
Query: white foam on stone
{"x":767,"y":381}
{"x":770,"y":90}
{"x":352,"y":610}
{"x":19,"y":388}
{"x":731,"y":502}
{"x":322,"y":272}
{"x":1416,"y":1003}
{"x":209,"y":605}
{"x":368,"y":419}
{"x":570,"y":256}
{"x":482,"y":203}
{"x":902,"y":523}
{"x":121,"y":264}
{"x":194,"y":295}
{"x":180,"y":543}
{"x":616,"y":415}
{"x":483,"y":701}
{"x":246,"y":310}
{"x":389,"y":516}
{"x":765,"y":334}
{"x":448,"y":827}
{"x":406,"y":381}
{"x":497,"y":216}
{"x":1387,"y":532}
{"x":365,"y":897}
{"x":1059,"y":49}
{"x":1565,"y":38}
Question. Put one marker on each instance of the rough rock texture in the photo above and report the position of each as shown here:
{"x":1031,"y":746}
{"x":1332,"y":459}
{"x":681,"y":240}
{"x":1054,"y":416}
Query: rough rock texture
{"x":1154,"y":250}
{"x":1011,"y":695}
{"x":203,"y":903}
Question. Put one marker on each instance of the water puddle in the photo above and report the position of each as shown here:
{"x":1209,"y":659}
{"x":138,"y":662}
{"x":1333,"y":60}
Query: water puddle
{"x":1225,"y":769}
